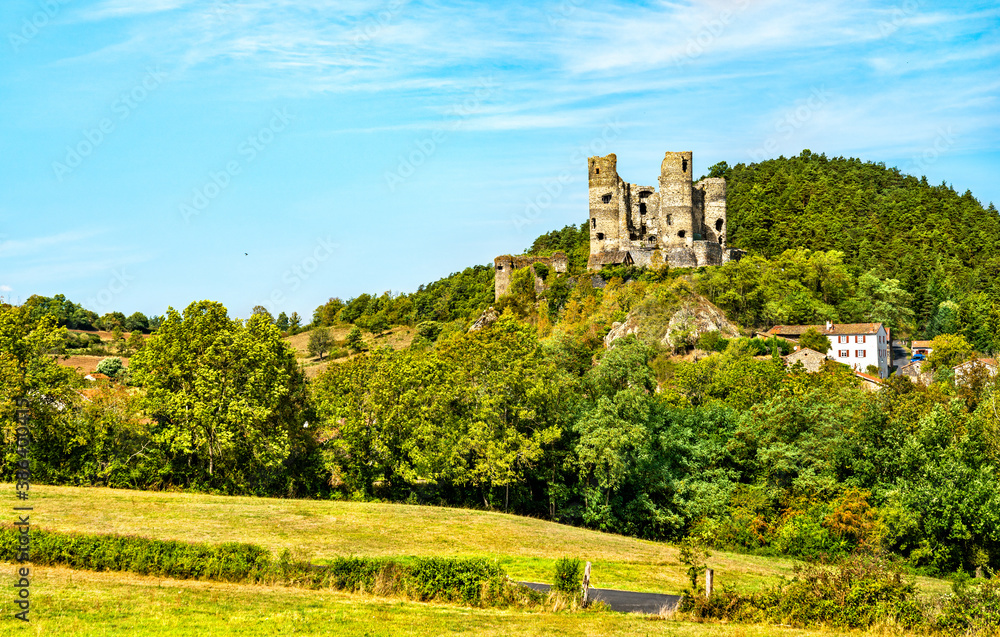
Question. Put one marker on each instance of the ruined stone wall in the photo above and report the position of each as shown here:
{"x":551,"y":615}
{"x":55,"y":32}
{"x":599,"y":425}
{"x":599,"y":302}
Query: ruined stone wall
{"x":707,"y":253}
{"x":505,"y":265}
{"x":713,"y":196}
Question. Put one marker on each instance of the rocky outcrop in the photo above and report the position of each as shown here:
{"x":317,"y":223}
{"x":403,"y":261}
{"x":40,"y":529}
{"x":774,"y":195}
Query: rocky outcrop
{"x":487,"y":318}
{"x":695,"y":316}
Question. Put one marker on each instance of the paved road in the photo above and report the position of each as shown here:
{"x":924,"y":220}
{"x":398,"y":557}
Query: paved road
{"x":624,"y":601}
{"x":899,"y":355}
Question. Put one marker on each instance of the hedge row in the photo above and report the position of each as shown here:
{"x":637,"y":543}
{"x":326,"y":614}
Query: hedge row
{"x":476,"y":582}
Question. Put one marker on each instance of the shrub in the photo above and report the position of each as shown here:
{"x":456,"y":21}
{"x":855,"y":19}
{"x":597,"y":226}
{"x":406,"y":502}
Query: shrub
{"x":476,"y":582}
{"x":110,"y":367}
{"x":861,"y":592}
{"x":568,"y":576}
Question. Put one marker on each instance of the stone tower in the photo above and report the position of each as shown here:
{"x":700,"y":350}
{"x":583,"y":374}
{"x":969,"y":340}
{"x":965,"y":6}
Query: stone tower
{"x":676,"y":200}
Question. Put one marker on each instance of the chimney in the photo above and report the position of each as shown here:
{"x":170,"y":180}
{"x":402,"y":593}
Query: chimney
{"x":829,"y":326}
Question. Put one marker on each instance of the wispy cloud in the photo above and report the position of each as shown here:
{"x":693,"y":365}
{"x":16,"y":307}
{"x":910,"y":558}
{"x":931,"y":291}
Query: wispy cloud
{"x":38,"y":246}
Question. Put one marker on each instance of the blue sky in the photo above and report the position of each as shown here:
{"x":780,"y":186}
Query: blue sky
{"x":251,"y":152}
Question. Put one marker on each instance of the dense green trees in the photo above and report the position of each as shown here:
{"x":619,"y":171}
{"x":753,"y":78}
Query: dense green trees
{"x":941,"y":247}
{"x":228,"y":399}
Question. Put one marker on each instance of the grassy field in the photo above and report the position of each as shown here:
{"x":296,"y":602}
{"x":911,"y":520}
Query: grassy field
{"x":318,"y":530}
{"x":84,"y":604}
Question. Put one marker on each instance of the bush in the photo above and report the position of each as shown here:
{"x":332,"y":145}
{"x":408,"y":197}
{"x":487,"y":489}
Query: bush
{"x":971,"y":611}
{"x":110,"y":367}
{"x":476,"y":582}
{"x":568,"y":576}
{"x":861,"y":592}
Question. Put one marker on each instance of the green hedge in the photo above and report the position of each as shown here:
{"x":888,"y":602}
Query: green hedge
{"x":230,"y":562}
{"x":476,"y":582}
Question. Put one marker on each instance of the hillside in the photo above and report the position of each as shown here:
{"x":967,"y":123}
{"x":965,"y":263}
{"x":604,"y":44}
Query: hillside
{"x":318,"y":530}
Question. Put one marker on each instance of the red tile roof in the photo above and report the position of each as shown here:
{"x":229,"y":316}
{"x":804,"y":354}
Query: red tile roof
{"x":837,"y":328}
{"x":873,"y":379}
{"x":921,"y":344}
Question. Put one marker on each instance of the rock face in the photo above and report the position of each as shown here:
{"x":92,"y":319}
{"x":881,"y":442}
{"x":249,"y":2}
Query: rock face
{"x":489,"y":317}
{"x":696,"y":316}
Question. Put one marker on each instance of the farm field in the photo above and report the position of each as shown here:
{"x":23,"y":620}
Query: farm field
{"x":85,"y":604}
{"x":317,"y":530}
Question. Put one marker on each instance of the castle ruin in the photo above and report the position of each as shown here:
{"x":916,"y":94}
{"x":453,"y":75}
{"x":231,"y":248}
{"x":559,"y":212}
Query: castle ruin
{"x":683,"y":225}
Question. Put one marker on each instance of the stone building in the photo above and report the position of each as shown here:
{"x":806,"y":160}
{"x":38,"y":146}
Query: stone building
{"x":681,"y":224}
{"x":505,"y":265}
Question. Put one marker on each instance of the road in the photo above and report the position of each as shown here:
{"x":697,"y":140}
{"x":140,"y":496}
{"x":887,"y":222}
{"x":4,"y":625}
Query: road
{"x":900,"y":356}
{"x":624,"y":601}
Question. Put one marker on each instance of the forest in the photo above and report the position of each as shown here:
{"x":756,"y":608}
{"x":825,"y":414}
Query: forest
{"x":706,"y":437}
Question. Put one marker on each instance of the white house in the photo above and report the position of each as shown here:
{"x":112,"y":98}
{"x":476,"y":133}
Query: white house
{"x":856,"y":344}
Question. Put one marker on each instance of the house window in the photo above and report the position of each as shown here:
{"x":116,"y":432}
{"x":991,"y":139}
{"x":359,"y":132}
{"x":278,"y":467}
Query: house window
{"x":600,"y":236}
{"x":860,"y":353}
{"x":843,"y":339}
{"x":859,"y":339}
{"x":593,"y":222}
{"x":606,"y":198}
{"x":843,"y":353}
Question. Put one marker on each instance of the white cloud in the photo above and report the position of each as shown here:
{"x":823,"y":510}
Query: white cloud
{"x":127,"y":8}
{"x":38,"y":246}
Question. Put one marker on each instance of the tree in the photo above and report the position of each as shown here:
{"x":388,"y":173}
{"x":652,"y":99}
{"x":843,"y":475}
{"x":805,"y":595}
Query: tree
{"x":814,"y":340}
{"x":319,"y":341}
{"x":282,"y":322}
{"x":354,"y":339}
{"x":294,"y":323}
{"x":260,"y":310}
{"x":137,"y":322}
{"x":378,"y":324}
{"x":118,"y":341}
{"x":30,"y":379}
{"x":948,"y":350}
{"x":135,"y":341}
{"x":227,"y":398}
{"x":884,"y":301}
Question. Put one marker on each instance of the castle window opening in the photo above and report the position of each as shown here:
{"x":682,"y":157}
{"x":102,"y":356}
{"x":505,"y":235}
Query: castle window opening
{"x":718,"y":224}
{"x":600,"y":236}
{"x":593,"y":222}
{"x":684,"y":166}
{"x":597,"y":171}
{"x":681,"y":234}
{"x":670,"y":220}
{"x":642,"y":209}
{"x":651,"y":239}
{"x":606,"y":198}
{"x":721,"y":239}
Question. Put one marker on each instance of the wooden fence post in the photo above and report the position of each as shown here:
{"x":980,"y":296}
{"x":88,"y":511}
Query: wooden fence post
{"x":709,"y":581}
{"x":586,"y":585}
